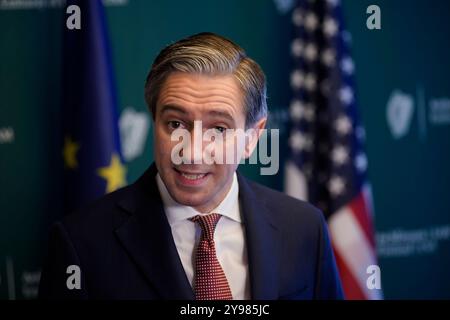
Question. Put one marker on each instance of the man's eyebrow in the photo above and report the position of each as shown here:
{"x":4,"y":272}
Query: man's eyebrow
{"x":213,"y":113}
{"x":171,"y":107}
{"x":220,"y":113}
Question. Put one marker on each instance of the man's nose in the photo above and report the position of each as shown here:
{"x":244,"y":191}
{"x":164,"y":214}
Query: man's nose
{"x":193,"y":153}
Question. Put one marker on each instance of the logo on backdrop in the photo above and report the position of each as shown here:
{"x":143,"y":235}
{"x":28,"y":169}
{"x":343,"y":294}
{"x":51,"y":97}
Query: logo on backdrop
{"x":133,"y":128}
{"x":402,"y":106}
{"x":6,"y":135}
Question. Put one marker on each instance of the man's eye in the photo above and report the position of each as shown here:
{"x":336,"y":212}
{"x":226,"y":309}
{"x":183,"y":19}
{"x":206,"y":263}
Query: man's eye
{"x":174,"y":124}
{"x":220,"y":129}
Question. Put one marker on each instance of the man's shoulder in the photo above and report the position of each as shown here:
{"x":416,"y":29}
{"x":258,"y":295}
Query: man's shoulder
{"x":286,"y":208}
{"x":112,"y":209}
{"x":101,"y":215}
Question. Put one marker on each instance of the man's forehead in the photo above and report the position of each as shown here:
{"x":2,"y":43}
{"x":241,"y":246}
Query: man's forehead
{"x":214,"y":94}
{"x":202,"y":82}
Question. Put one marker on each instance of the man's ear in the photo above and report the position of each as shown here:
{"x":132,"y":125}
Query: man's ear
{"x":254,"y":132}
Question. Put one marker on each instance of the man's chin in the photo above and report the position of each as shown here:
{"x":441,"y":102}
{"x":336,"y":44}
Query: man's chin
{"x":190,"y":200}
{"x":201,"y":207}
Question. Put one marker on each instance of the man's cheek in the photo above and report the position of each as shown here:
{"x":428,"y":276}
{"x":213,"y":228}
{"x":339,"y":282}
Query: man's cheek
{"x":233,"y":150}
{"x":162,"y":143}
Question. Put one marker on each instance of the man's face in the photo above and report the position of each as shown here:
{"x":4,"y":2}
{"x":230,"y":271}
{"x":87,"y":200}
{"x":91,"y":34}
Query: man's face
{"x":216,"y":101}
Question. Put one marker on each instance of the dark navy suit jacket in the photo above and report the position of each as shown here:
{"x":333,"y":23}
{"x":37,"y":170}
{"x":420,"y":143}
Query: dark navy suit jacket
{"x":124,"y":248}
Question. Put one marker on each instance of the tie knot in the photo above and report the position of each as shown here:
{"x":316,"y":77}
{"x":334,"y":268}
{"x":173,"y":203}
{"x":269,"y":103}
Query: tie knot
{"x":207,"y":223}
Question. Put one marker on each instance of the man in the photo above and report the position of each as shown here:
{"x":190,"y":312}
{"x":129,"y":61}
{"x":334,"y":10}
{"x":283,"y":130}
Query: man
{"x":193,"y":229}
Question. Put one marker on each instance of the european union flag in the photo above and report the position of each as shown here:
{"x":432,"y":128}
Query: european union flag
{"x":91,"y":151}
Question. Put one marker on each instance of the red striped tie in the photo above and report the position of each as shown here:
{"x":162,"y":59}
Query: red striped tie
{"x":210,"y":282}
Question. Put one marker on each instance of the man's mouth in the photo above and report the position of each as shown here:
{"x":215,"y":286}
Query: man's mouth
{"x":191,"y":178}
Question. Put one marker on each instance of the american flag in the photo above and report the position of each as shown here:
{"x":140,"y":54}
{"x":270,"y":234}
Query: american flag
{"x":327,"y":165}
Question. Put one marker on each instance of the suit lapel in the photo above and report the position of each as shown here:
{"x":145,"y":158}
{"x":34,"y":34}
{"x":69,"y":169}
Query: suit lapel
{"x":262,"y":239}
{"x":147,"y":238}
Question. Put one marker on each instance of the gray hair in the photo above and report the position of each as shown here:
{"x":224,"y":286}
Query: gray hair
{"x":210,"y":54}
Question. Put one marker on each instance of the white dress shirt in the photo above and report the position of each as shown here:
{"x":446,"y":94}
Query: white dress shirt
{"x":228,"y":237}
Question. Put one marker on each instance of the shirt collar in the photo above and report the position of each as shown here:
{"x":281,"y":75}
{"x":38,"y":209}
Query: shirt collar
{"x":229,"y":207}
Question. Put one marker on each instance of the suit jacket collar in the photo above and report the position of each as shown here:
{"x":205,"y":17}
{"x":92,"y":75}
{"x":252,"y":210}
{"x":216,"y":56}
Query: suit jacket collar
{"x":147,"y":237}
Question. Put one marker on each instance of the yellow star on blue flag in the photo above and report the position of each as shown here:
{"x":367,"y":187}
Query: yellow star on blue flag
{"x":114,"y":174}
{"x":70,"y":153}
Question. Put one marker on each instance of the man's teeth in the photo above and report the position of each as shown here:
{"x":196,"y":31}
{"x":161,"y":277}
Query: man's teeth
{"x":193,"y":176}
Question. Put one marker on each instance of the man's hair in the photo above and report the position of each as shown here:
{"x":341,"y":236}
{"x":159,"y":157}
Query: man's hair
{"x":210,"y":54}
